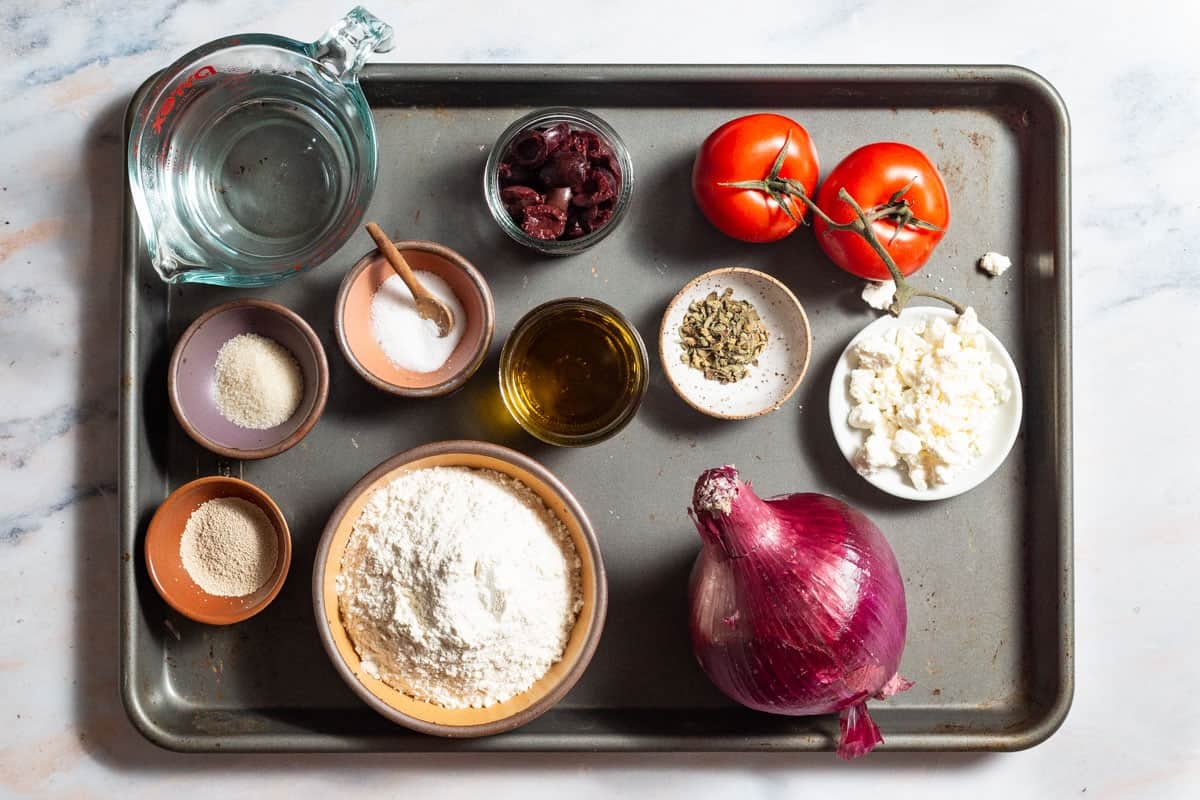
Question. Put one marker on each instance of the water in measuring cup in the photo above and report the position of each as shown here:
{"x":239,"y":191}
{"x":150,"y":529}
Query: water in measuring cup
{"x":267,"y":167}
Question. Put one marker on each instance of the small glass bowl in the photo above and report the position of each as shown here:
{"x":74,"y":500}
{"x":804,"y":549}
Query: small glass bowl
{"x":576,"y":118}
{"x":623,"y":341}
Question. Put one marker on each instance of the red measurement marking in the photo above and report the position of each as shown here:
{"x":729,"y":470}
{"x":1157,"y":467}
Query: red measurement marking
{"x":168,"y":105}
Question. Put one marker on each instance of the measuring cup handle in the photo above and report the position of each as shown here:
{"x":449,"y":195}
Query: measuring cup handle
{"x":345,"y":47}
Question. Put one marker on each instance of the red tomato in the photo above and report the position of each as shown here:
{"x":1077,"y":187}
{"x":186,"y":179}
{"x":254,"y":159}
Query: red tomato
{"x":872,"y":174}
{"x":745,"y":149}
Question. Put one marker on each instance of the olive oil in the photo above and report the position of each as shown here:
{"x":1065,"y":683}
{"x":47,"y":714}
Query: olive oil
{"x":573,"y":372}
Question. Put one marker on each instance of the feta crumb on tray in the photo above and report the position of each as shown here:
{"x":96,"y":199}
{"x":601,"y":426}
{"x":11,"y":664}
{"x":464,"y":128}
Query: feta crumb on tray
{"x":924,"y":396}
{"x":994,"y":264}
{"x":879,"y":294}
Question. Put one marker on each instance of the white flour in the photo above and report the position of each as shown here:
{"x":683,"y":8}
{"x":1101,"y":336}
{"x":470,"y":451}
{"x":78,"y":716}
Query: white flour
{"x":458,"y":586}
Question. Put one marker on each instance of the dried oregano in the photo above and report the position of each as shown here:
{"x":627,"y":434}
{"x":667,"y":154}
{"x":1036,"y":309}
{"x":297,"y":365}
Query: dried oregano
{"x":722,"y":337}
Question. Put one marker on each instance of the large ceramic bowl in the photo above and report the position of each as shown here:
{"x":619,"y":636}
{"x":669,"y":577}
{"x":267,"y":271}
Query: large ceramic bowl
{"x":428,"y":717}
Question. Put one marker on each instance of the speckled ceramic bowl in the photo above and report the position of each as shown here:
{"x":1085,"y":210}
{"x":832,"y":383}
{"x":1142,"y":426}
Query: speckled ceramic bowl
{"x":190,"y":378}
{"x":165,"y":565}
{"x":352,"y":320}
{"x":781,"y":365}
{"x":428,"y":717}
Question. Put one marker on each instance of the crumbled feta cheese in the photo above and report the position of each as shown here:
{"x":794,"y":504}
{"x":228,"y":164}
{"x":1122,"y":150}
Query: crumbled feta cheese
{"x":994,"y":264}
{"x":936,"y":331}
{"x":861,"y":381}
{"x":865,"y":417}
{"x":876,"y":453}
{"x":917,"y":476}
{"x":878,"y":353}
{"x":924,"y":395}
{"x":968,"y":322}
{"x":905,"y":442}
{"x":879,"y":294}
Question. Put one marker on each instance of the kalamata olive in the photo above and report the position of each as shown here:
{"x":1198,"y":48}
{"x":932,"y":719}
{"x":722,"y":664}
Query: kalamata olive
{"x":564,"y":168}
{"x":516,"y":175}
{"x":557,"y":136}
{"x":559,"y":182}
{"x":606,"y":159}
{"x":600,"y":185}
{"x":575,"y":227}
{"x":544,"y":221}
{"x":516,"y":198}
{"x":597,"y":216}
{"x":585,"y":142}
{"x":530,"y":149}
{"x":559,"y":198}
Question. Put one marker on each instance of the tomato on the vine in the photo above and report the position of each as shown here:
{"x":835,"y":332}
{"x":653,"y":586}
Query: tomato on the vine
{"x":874,"y":175}
{"x":744,"y":149}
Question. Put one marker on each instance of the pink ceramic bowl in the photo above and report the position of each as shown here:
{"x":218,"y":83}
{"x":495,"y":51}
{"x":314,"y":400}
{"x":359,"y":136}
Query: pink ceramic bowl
{"x":191,"y":374}
{"x":352,"y":320}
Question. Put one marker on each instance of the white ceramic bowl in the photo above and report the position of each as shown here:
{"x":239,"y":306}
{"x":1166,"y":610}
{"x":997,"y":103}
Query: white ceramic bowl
{"x":781,"y":365}
{"x":1006,"y":420}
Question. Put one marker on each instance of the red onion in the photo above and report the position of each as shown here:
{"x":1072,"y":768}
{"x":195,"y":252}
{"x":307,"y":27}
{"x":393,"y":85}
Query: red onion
{"x":797,"y":606}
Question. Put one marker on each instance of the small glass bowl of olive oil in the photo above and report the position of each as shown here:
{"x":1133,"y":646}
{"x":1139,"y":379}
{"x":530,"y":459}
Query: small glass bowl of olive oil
{"x":573,"y":371}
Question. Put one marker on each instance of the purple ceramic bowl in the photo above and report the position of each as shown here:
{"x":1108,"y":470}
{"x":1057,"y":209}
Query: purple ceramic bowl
{"x":190,"y":378}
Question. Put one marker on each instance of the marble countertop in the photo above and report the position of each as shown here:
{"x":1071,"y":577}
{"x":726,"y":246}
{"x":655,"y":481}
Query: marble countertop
{"x":1131,"y":84}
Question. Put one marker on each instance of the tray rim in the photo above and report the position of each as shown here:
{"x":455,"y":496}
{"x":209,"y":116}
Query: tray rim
{"x":1037,"y":730}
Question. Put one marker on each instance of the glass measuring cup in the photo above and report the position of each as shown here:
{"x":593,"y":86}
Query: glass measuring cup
{"x":252,"y":158}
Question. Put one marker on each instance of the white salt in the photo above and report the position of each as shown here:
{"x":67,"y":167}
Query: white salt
{"x":408,"y":341}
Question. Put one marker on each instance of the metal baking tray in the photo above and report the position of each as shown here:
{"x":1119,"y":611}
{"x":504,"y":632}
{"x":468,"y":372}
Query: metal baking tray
{"x":988,"y":574}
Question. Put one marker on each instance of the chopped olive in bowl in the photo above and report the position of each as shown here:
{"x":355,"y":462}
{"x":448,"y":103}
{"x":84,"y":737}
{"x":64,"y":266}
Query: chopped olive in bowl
{"x":558,"y":180}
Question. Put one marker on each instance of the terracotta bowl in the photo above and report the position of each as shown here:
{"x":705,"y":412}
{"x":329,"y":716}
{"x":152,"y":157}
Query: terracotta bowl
{"x":166,"y":568}
{"x":781,"y":365}
{"x":352,"y":320}
{"x":190,"y":378}
{"x":427,"y":717}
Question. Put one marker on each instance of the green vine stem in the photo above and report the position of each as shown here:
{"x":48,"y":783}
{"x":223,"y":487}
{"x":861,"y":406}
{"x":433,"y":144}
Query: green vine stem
{"x":896,"y":210}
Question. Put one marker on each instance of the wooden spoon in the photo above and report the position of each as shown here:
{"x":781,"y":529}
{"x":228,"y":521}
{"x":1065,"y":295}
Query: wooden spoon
{"x":428,"y":306}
